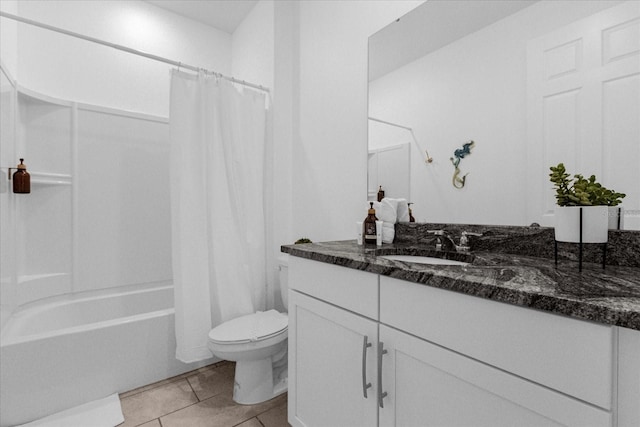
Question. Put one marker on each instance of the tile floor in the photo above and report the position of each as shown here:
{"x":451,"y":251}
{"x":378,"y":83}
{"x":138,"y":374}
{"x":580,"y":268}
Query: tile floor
{"x":200,"y":398}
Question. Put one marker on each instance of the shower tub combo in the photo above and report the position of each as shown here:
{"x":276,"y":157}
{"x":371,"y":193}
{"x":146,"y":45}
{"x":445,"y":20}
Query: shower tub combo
{"x":63,"y":351}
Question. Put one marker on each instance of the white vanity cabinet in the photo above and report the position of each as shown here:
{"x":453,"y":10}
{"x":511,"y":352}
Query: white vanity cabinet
{"x":471,"y":361}
{"x":332,"y":350}
{"x":428,"y":385}
{"x":441,"y":358}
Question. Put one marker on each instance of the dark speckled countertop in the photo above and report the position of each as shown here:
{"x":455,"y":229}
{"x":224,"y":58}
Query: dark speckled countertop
{"x":610,"y":296}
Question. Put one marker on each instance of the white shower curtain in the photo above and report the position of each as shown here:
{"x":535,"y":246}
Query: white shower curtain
{"x":218,"y":138}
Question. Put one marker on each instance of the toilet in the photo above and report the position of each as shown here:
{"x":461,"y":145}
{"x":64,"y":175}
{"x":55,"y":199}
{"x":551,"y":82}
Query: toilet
{"x":258,"y":344}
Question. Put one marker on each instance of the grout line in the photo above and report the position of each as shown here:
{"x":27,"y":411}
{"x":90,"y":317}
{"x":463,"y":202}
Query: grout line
{"x":249,"y":419}
{"x":192,"y":389}
{"x":170,"y":380}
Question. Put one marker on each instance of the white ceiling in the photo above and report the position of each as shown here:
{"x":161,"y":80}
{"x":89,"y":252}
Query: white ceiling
{"x":429,"y":27}
{"x":225,"y":15}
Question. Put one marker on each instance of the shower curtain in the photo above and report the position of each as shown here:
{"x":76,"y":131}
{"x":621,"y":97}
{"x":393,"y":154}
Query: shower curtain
{"x":218,"y":137}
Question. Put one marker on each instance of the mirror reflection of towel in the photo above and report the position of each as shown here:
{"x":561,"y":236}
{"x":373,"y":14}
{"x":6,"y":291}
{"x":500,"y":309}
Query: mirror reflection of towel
{"x":403,"y":210}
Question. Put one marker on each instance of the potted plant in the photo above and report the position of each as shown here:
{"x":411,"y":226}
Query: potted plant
{"x":581,"y":195}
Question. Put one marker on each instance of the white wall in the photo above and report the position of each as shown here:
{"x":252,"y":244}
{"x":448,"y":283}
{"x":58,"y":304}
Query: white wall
{"x":252,"y":46}
{"x":9,"y":37}
{"x":440,"y":98}
{"x":329,"y":149}
{"x":68,"y":68}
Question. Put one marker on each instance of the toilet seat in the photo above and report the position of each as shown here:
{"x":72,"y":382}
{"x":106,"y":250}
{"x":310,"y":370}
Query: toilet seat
{"x":259,"y":326}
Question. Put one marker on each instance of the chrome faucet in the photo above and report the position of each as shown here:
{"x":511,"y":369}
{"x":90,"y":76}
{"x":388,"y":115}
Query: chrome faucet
{"x":464,"y":241}
{"x":445,"y":242}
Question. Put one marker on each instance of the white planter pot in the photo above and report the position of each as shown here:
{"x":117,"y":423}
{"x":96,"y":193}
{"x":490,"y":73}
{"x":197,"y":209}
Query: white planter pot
{"x":595,"y":224}
{"x":614,"y":212}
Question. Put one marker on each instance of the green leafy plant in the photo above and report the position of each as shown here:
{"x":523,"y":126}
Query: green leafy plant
{"x":580,"y":191}
{"x":303,"y":240}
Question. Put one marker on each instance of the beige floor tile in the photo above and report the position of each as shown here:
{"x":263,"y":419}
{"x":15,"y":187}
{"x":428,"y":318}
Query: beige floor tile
{"x":154,"y":403}
{"x":275,"y":417}
{"x":172,"y":379}
{"x":253,"y":422}
{"x":218,"y":411}
{"x":209,"y":382}
{"x":153,"y":423}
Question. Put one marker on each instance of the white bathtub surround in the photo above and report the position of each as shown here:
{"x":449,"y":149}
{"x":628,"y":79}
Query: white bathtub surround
{"x":218,"y":139}
{"x":105,"y":412}
{"x":64,"y":351}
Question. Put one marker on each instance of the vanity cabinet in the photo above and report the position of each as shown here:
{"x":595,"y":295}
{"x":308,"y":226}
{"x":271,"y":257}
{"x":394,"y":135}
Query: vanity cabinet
{"x":428,"y":385}
{"x":333,"y":355}
{"x":443,"y":358}
{"x":463,"y":360}
{"x":332,"y":350}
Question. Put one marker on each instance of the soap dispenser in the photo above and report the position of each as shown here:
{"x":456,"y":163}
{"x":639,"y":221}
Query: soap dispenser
{"x":411,"y":218}
{"x":380,"y":193}
{"x":369,"y":227}
{"x":21,"y":179}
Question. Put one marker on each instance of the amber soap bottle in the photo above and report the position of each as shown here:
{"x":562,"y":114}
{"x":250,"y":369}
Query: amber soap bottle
{"x":21,"y":179}
{"x":369,"y":227}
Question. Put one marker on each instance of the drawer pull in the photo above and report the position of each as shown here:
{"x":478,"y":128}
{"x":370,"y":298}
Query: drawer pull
{"x":365,"y":384}
{"x":381,"y":394}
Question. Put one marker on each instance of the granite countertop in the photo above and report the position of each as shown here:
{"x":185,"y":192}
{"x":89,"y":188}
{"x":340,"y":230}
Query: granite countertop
{"x":610,"y":296}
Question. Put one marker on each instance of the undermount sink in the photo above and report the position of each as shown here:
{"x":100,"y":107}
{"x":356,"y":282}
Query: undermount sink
{"x":423,"y":259}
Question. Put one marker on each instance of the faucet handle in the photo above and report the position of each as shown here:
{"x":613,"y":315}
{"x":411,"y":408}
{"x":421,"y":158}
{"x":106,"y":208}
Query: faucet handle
{"x":439,"y":234}
{"x":464,"y":238}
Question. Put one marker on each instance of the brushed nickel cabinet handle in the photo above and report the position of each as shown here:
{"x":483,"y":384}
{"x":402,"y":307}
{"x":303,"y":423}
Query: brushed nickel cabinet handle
{"x":365,"y":384}
{"x":381,"y":394}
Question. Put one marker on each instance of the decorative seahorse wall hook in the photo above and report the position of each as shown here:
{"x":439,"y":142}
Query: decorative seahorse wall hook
{"x":459,"y":154}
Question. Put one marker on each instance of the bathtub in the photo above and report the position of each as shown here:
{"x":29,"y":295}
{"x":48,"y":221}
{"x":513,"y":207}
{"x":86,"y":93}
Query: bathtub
{"x":61,"y":352}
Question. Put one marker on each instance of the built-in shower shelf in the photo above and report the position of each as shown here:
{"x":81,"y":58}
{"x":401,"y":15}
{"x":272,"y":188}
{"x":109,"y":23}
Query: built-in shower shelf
{"x":45,"y":179}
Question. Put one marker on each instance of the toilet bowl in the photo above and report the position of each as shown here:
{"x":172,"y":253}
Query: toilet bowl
{"x":258,"y":344}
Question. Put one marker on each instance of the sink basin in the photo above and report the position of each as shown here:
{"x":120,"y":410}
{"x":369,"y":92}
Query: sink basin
{"x":423,"y":259}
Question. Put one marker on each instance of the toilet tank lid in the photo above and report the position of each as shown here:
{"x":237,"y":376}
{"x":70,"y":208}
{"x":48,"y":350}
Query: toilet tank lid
{"x":251,"y":327}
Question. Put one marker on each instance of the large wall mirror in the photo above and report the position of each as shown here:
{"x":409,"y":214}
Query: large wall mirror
{"x":532,"y":83}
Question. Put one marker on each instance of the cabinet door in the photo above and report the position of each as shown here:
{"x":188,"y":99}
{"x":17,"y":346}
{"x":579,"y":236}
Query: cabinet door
{"x":326,"y":365}
{"x":428,"y":385}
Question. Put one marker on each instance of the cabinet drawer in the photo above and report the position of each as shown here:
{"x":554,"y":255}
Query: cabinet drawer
{"x":351,"y":289}
{"x":565,"y":354}
{"x":428,"y":385}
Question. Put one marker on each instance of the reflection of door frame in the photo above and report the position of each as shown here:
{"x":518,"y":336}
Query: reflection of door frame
{"x":373,"y":190}
{"x":568,"y":71}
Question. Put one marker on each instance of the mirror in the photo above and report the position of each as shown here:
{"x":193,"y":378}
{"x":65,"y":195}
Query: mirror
{"x":506,"y":75}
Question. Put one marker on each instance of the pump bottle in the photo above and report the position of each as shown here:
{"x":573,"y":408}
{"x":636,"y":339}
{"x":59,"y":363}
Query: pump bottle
{"x":369,"y":227}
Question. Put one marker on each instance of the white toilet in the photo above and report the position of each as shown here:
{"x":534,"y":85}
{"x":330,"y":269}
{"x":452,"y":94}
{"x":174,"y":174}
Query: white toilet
{"x":258,"y":344}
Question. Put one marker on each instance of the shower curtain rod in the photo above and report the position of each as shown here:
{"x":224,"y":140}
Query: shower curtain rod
{"x":391,"y":124}
{"x":129,"y":50}
{"x":428,"y":159}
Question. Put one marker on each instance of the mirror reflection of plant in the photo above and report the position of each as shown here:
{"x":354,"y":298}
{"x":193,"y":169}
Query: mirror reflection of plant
{"x":580,"y":191}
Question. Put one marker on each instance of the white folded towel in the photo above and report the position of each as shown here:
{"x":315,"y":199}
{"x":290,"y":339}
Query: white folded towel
{"x":386,"y":210}
{"x":403,"y":210}
{"x":390,"y":211}
{"x":388,"y":232}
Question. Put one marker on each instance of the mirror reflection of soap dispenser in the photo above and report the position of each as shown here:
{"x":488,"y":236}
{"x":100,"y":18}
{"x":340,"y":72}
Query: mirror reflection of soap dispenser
{"x":411,"y":218}
{"x":380,"y":193}
{"x":21,"y":179}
